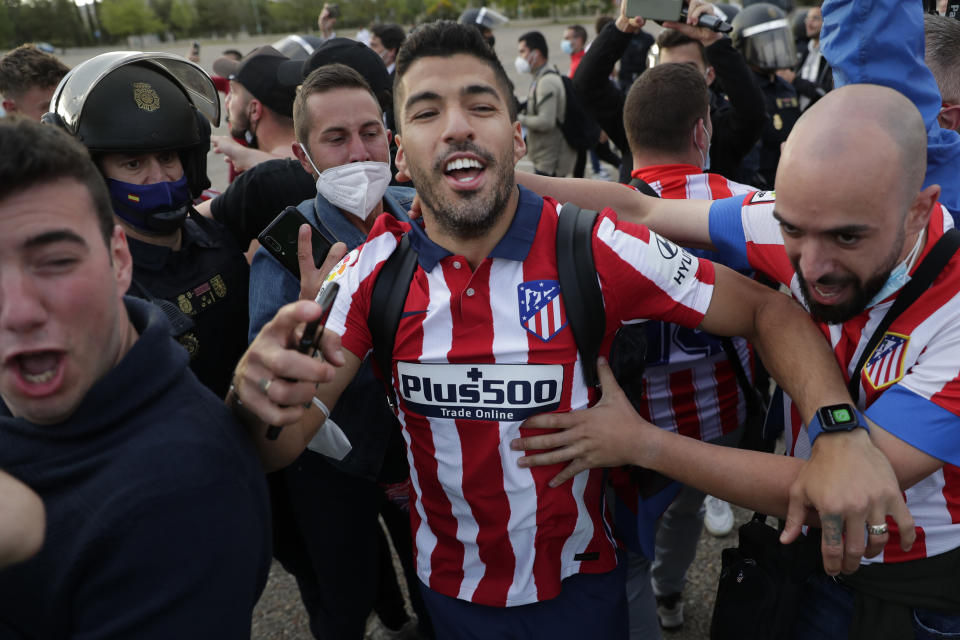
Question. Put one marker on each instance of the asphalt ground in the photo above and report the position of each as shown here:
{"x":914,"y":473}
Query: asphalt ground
{"x":280,"y":613}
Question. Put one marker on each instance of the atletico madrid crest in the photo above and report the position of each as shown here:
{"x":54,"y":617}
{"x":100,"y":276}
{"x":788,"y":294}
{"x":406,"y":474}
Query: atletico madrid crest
{"x":541,"y":308}
{"x":884,"y":367}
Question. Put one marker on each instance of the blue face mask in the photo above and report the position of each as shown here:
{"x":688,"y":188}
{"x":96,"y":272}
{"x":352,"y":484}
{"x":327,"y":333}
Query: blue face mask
{"x":566,"y":46}
{"x":160,"y":207}
{"x":900,"y":274}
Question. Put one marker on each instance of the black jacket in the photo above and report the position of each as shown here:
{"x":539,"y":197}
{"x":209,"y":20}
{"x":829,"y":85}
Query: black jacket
{"x":737,"y":118}
{"x":820,"y":86}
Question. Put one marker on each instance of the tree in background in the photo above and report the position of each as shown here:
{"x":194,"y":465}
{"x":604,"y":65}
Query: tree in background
{"x":183,"y":17}
{"x":129,"y":17}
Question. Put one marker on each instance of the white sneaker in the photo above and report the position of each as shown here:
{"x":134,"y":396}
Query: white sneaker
{"x":602,"y":175}
{"x":719,"y":518}
{"x":670,"y":611}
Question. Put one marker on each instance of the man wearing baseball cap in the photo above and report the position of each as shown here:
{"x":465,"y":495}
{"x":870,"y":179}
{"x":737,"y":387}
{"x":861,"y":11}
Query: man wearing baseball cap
{"x":259,"y":107}
{"x":256,"y":197}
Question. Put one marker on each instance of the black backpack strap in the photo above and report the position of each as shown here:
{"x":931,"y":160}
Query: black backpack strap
{"x":579,"y":286}
{"x":753,"y":435}
{"x":386,"y":306}
{"x":930,"y":268}
{"x":643,"y":187}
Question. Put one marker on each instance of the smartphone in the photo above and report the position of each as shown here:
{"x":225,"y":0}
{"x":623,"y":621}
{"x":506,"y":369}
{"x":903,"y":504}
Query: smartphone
{"x":280,"y":239}
{"x":659,"y":10}
{"x":310,"y":340}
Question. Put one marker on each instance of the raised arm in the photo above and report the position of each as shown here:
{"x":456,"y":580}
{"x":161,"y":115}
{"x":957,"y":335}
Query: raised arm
{"x":685,"y":222}
{"x":592,"y":82}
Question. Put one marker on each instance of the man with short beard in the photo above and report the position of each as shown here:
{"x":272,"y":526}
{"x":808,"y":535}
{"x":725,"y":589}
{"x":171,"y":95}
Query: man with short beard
{"x":259,"y":109}
{"x":483,"y":344}
{"x":845,"y":231}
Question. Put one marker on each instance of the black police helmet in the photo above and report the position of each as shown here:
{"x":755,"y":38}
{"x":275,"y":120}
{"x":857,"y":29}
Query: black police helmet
{"x":140,"y":105}
{"x":762,"y":34}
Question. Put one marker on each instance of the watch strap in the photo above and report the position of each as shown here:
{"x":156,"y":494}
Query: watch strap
{"x":815,"y":427}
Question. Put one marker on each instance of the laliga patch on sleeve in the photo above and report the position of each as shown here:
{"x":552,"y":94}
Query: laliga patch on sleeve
{"x":345,"y":263}
{"x":763,"y":196}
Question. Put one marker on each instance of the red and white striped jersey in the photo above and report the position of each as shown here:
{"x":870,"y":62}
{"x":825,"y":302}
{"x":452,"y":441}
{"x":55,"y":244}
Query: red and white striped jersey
{"x":687,"y":182}
{"x":689,"y":384}
{"x":476,"y":353}
{"x":909,"y":385}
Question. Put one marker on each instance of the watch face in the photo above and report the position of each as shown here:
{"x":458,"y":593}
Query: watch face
{"x":840,"y":415}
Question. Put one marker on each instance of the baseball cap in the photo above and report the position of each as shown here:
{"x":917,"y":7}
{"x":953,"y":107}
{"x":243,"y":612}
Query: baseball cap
{"x":351,"y":53}
{"x":257,"y":72}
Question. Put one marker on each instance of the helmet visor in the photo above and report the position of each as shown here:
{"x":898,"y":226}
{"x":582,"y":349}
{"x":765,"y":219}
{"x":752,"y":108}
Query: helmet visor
{"x":769,"y":45}
{"x":71,"y":94}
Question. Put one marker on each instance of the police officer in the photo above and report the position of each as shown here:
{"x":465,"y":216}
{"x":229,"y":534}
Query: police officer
{"x":761,"y":32}
{"x":485,"y":20}
{"x":145,"y":117}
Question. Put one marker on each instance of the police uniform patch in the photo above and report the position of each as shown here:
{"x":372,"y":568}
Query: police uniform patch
{"x":185,"y":305}
{"x":145,"y":96}
{"x":541,"y":308}
{"x":884,"y":367}
{"x":219,"y":286}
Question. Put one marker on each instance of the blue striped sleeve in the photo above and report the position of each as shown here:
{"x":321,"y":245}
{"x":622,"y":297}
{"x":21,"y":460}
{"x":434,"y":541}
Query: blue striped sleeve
{"x":918,"y":422}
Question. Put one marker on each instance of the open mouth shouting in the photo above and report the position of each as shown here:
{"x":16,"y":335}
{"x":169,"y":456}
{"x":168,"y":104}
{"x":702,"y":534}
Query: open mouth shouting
{"x":37,"y":373}
{"x":828,"y":293}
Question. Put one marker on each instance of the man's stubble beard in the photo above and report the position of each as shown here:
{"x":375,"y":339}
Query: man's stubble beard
{"x":470,"y":214}
{"x":863,"y":294}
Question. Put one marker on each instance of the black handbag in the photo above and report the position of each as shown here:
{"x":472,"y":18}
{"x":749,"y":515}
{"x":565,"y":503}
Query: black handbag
{"x":760,"y":582}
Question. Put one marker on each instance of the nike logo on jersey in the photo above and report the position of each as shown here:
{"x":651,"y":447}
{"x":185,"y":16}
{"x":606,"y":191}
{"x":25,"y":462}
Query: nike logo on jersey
{"x":407,"y":314}
{"x":507,"y":392}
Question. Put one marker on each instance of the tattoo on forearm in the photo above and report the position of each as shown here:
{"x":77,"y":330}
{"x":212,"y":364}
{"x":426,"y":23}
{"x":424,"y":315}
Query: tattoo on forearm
{"x":832,"y":528}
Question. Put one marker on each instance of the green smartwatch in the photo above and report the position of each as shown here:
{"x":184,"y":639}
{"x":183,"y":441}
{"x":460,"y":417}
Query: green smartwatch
{"x":835,"y":418}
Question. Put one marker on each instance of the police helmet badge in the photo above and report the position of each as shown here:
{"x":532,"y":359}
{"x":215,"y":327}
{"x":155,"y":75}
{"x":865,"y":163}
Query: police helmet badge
{"x":145,"y":96}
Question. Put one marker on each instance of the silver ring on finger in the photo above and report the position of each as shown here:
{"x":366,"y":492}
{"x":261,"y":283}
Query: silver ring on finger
{"x":264,"y":385}
{"x":877,"y":529}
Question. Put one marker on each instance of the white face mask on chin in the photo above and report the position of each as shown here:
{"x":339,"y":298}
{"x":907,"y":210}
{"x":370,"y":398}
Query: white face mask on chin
{"x":355,"y":187}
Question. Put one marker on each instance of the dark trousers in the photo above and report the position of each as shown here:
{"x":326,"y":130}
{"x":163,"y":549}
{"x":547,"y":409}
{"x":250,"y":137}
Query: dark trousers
{"x":327,"y":535}
{"x":600,"y":152}
{"x":589,"y":606}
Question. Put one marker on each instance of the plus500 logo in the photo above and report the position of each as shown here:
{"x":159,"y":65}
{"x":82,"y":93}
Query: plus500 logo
{"x":480,"y":392}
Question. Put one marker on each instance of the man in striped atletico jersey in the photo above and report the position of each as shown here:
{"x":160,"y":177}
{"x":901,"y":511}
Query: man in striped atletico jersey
{"x":483,"y":344}
{"x":850,"y":223}
{"x":689,"y":385}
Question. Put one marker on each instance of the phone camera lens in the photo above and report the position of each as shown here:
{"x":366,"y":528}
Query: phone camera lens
{"x":273,"y":244}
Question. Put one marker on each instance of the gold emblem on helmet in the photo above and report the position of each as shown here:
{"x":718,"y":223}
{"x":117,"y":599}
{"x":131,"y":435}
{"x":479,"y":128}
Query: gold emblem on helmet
{"x":145,"y":97}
